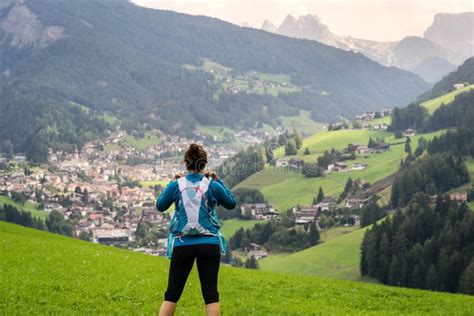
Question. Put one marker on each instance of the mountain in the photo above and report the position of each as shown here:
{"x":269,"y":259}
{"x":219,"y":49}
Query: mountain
{"x":45,"y":272}
{"x":454,"y":31}
{"x":144,"y":66}
{"x":411,"y":53}
{"x":464,"y":74}
{"x":269,"y":27}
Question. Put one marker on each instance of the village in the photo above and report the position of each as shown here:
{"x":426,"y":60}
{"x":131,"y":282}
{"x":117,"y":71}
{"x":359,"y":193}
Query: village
{"x":108,"y":188}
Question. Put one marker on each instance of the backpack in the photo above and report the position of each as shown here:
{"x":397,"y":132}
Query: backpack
{"x":192,"y":216}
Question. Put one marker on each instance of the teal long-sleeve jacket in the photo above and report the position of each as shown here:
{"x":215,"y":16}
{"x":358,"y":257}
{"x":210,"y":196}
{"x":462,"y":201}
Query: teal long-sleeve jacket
{"x":217,"y":194}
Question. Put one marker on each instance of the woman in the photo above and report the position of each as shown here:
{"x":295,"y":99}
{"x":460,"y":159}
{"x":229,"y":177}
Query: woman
{"x":194,"y":229}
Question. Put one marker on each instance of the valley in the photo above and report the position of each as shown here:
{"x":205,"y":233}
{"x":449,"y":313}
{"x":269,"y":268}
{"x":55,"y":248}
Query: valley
{"x":348,"y":164}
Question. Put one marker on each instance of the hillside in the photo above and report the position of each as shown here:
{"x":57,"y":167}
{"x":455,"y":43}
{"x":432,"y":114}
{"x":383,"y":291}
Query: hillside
{"x":44,"y":273}
{"x":338,"y":258}
{"x":285,"y":187}
{"x":78,"y":60}
{"x":463,"y":74}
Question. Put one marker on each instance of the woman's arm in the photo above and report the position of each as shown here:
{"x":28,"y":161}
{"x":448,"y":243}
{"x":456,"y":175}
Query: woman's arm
{"x":222,"y":194}
{"x":164,"y":201}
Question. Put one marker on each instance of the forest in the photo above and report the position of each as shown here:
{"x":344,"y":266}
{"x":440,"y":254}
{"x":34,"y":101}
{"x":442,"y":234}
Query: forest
{"x":432,"y":174}
{"x":277,"y":236}
{"x":426,"y":246}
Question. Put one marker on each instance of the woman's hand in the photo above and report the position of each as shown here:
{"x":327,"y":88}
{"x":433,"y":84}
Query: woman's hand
{"x":211,"y":174}
{"x":177,"y":176}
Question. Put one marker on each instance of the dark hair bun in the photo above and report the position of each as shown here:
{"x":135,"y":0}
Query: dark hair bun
{"x":195,"y":157}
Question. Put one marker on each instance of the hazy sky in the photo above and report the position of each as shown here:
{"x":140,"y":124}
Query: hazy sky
{"x":368,"y":19}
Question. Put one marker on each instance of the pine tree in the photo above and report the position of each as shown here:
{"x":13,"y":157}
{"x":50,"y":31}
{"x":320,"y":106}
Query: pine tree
{"x":467,"y":279}
{"x":408,"y":146}
{"x":432,"y":279}
{"x":251,"y":263}
{"x":313,"y":234}
{"x":320,"y":196}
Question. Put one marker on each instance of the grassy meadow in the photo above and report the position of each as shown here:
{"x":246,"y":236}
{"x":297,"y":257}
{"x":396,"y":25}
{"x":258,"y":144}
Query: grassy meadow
{"x":149,"y":140}
{"x":230,"y":226}
{"x":337,"y":258}
{"x":43,"y":273}
{"x":435,"y":103}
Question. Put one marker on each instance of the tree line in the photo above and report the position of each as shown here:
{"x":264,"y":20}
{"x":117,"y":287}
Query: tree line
{"x":55,"y":222}
{"x":427,"y":246}
{"x":458,"y":113}
{"x":277,"y":236}
{"x":432,"y":174}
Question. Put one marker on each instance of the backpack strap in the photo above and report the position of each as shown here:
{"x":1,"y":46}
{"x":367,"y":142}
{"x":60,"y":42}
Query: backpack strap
{"x":182,"y":183}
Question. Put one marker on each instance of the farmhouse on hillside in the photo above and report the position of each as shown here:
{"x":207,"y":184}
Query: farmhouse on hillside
{"x":356,"y":203}
{"x":409,"y":133}
{"x":258,"y":211}
{"x":366,"y":117}
{"x":459,"y":86}
{"x":305,"y":214}
{"x":281,"y":163}
{"x":256,"y":251}
{"x":381,"y":147}
{"x":325,"y":204}
{"x":458,"y":197}
{"x":296,"y":163}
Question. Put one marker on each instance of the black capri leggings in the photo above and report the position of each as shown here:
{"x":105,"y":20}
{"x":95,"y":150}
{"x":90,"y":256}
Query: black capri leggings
{"x":208,"y":259}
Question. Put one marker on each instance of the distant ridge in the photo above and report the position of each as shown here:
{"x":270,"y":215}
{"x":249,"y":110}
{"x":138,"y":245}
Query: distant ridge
{"x":446,"y":43}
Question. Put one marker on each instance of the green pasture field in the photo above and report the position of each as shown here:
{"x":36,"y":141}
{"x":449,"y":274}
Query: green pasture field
{"x":149,"y":140}
{"x":229,"y":227}
{"x":43,"y":273}
{"x":435,"y":103}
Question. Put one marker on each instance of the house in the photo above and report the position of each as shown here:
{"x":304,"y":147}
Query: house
{"x":458,"y":197}
{"x":366,"y":117}
{"x":381,"y":147}
{"x":362,"y":150}
{"x":257,"y":254}
{"x":305,"y":214}
{"x":259,"y":211}
{"x":281,"y":163}
{"x":359,"y":166}
{"x":459,"y":86}
{"x":356,"y":203}
{"x":325,"y":204}
{"x":340,"y":166}
{"x":409,"y":133}
{"x":296,"y":163}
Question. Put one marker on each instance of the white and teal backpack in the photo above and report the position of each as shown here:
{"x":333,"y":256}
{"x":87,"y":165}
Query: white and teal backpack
{"x":192,"y":216}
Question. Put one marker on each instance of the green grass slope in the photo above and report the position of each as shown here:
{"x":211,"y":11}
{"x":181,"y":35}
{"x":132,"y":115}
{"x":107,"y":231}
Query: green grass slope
{"x":230,"y":226}
{"x":336,"y":258}
{"x":43,"y":273}
{"x":435,"y":103}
